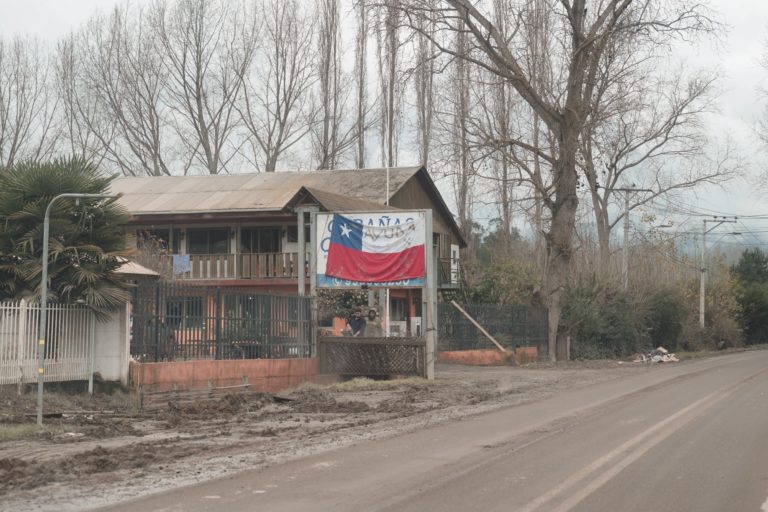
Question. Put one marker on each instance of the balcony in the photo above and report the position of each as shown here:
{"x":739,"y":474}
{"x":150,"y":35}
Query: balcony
{"x":280,"y":265}
{"x":448,"y":274}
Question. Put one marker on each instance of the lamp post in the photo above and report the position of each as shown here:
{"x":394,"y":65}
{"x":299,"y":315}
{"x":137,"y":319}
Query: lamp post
{"x":41,"y":331}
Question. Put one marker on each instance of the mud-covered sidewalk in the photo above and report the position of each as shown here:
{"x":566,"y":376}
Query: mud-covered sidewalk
{"x":100,"y":450}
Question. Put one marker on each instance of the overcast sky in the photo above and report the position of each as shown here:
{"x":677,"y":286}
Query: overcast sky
{"x":737,"y":58}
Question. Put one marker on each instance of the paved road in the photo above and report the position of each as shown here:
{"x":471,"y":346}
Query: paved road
{"x":689,"y":437}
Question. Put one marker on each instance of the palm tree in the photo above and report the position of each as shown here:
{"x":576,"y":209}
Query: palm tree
{"x":86,"y":245}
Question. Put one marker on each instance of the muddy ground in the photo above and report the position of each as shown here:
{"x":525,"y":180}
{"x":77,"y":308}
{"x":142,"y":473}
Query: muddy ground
{"x":101,"y":449}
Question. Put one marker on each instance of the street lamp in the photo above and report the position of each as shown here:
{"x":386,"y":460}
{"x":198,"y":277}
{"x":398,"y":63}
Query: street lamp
{"x":41,"y":331}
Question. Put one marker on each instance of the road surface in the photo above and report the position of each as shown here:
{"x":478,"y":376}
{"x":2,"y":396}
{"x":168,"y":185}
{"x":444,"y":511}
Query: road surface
{"x":691,"y":437}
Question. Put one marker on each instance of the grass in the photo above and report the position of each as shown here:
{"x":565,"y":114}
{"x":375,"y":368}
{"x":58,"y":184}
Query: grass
{"x":25,"y":430}
{"x":699,"y":354}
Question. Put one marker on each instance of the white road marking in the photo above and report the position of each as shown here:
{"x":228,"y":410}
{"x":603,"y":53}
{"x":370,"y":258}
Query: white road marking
{"x":629,"y":452}
{"x":212,"y":497}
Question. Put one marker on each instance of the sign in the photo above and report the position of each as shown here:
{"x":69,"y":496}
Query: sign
{"x":378,"y":249}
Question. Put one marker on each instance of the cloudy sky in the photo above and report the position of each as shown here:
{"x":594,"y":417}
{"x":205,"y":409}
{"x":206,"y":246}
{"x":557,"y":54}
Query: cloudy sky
{"x":736,"y":57}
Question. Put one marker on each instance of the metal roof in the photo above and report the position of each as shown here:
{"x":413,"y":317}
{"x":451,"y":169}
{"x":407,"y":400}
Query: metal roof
{"x":338,"y":203}
{"x":255,"y":192}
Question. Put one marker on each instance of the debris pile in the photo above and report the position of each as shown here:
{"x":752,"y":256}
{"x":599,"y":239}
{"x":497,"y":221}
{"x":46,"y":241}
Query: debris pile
{"x":657,"y":355}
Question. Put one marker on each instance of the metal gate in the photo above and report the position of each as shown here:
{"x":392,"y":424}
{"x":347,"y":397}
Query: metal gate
{"x":172,"y":322}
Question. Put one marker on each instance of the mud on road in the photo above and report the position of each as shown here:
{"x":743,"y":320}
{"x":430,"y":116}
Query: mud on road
{"x":100,"y":450}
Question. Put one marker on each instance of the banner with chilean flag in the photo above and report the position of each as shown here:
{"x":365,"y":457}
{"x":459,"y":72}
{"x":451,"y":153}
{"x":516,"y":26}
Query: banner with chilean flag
{"x":376,"y":254}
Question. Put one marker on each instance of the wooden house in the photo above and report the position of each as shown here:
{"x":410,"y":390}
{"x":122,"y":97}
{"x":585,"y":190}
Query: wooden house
{"x":241,"y":230}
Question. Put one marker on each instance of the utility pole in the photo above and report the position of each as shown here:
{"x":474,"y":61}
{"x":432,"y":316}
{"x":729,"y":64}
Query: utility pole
{"x":625,"y":259}
{"x":703,"y":280}
{"x":625,"y":269}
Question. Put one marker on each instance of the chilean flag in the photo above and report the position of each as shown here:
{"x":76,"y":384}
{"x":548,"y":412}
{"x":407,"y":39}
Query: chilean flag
{"x":375,"y":254}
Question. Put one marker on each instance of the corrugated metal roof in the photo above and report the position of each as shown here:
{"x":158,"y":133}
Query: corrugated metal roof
{"x":253,"y":192}
{"x":339,"y":203}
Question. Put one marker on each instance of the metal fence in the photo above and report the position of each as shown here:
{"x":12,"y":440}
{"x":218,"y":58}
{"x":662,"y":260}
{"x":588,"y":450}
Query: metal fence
{"x":511,"y":326}
{"x":372,"y":357}
{"x":173,"y":322}
{"x":69,"y":350}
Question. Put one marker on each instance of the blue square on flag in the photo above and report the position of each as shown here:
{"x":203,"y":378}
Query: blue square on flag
{"x":376,"y":254}
{"x":347,"y":233}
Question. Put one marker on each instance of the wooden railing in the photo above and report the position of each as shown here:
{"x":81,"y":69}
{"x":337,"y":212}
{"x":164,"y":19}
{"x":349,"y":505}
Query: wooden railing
{"x":272,"y":265}
{"x":211,"y":266}
{"x":280,"y":265}
{"x":448,"y":273}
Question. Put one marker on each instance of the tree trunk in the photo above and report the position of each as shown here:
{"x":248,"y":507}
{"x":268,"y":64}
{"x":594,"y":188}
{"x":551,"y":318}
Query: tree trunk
{"x":603,"y":234}
{"x":560,"y":243}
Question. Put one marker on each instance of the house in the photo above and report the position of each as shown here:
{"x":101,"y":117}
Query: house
{"x":242,"y":230}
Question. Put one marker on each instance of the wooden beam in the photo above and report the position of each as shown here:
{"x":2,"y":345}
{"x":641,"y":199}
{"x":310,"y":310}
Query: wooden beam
{"x":480,"y":327}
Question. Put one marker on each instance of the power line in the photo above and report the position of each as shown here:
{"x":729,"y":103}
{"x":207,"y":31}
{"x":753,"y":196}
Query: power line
{"x":701,"y":211}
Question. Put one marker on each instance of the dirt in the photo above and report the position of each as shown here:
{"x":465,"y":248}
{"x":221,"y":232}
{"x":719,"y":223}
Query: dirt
{"x":102,"y":450}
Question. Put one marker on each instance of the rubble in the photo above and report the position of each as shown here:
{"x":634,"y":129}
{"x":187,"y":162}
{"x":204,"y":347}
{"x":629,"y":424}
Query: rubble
{"x":657,"y":355}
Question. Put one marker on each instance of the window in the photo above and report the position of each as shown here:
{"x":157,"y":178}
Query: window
{"x":208,"y":241}
{"x":163,"y":239}
{"x":397,"y":309}
{"x":293,"y":234}
{"x":260,"y":240}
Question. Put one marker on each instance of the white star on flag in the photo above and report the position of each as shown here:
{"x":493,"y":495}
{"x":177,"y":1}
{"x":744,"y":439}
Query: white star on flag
{"x":345,"y":230}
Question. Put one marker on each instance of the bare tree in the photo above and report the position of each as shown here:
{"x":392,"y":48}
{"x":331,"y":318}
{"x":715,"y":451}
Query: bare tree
{"x":327,"y":140}
{"x":646,"y":133}
{"x":462,"y":159}
{"x":388,"y":48}
{"x":584,"y":35}
{"x":503,"y":115}
{"x":123,"y":69}
{"x":208,"y":47}
{"x":424,"y":84}
{"x":334,"y":133}
{"x":83,"y":127}
{"x":361,"y":75}
{"x":276,"y":106}
{"x":26,"y":105}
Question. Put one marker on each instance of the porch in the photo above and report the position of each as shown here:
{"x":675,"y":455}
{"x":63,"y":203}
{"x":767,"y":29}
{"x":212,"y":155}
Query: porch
{"x":276,"y":265}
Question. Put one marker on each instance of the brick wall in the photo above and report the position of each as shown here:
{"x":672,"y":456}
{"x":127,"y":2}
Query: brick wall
{"x":264,"y":375}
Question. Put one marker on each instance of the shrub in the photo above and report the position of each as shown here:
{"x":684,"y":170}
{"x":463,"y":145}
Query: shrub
{"x":603,"y":322}
{"x":723,"y":313}
{"x":665,"y":314}
{"x":509,"y":282}
{"x":754,"y":314}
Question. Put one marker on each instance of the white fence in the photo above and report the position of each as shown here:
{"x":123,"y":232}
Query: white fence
{"x":69,"y":349}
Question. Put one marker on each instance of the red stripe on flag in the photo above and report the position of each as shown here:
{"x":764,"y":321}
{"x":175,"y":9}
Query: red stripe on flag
{"x":367,"y":267}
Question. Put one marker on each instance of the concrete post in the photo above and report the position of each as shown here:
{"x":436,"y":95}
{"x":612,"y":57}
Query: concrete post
{"x":429,"y":299}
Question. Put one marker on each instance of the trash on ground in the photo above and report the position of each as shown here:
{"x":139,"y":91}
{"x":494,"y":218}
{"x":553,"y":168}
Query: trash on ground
{"x":657,"y":355}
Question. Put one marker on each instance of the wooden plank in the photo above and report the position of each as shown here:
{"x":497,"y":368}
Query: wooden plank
{"x":479,"y":327}
{"x":231,"y":265}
